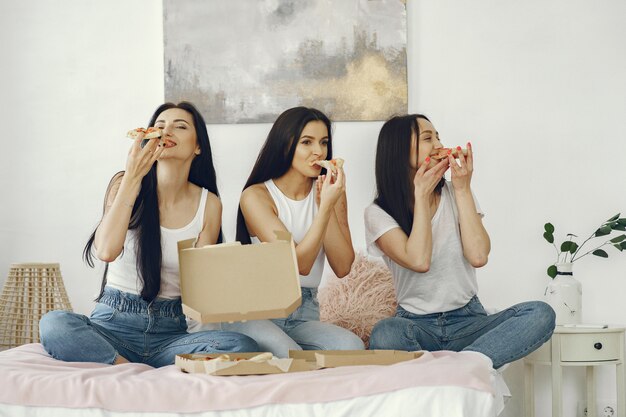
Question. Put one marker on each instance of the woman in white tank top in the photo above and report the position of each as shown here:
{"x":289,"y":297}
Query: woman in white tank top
{"x":148,"y":208}
{"x":288,"y":191}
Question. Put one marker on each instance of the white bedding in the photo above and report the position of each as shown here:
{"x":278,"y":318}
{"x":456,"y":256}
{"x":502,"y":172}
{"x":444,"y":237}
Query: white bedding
{"x":443,"y":384}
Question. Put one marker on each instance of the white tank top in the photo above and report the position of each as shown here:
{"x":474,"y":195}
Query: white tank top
{"x":122,"y":273}
{"x":297,"y":216}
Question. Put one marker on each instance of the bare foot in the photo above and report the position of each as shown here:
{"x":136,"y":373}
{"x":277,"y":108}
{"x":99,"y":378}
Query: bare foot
{"x":120,"y":360}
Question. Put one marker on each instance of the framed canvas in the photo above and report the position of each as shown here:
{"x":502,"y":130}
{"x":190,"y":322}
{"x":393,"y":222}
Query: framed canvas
{"x":246,"y":61}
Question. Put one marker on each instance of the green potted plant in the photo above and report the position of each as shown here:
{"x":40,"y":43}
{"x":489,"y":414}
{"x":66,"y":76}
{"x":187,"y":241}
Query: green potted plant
{"x":564,"y":293}
{"x":570,"y":248}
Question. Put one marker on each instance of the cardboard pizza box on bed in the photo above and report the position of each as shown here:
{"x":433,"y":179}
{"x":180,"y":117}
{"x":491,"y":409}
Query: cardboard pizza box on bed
{"x":334,"y":358}
{"x":235,"y":282}
{"x":238,"y":364}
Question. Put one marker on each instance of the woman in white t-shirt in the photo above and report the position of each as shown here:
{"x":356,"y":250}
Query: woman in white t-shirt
{"x":167,"y":193}
{"x":287,"y":191}
{"x":429,"y":232}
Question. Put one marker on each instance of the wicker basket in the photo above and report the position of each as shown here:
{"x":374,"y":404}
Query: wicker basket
{"x":31,"y":290}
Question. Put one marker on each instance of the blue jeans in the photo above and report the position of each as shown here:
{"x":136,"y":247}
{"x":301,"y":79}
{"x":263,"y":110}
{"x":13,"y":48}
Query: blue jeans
{"x":302,"y":329}
{"x":504,"y":337}
{"x":124,"y":324}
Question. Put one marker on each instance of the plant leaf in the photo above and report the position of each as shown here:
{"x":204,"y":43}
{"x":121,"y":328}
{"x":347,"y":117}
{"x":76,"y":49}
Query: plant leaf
{"x":618,"y":247}
{"x":600,"y":253}
{"x":618,"y":239}
{"x":549,"y":237}
{"x":603,"y":231}
{"x":612,"y":219}
{"x":623,"y":245}
{"x":573,"y":247}
{"x":572,"y":235}
{"x":619,"y":226}
{"x":622,"y":220}
{"x":549,"y":228}
{"x":565,"y":246}
{"x":552,"y":271}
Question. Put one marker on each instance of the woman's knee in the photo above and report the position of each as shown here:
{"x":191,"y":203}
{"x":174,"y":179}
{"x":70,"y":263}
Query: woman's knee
{"x":384,"y":333}
{"x":243,"y":343}
{"x":56,"y":331}
{"x":56,"y":325}
{"x":348,"y":341}
{"x":543,"y":315}
{"x":547,"y":315}
{"x":325,"y":336}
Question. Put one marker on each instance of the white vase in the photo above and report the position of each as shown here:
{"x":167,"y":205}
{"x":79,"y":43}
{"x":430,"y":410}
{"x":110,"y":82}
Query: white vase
{"x":564,"y":294}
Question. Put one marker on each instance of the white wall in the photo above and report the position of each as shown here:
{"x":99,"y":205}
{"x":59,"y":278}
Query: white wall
{"x":75,"y":76}
{"x":538,"y":87}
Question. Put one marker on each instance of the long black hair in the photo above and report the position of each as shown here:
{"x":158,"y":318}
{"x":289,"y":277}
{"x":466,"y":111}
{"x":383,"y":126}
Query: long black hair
{"x":394,"y":185}
{"x":276,"y":155}
{"x":145,"y":214}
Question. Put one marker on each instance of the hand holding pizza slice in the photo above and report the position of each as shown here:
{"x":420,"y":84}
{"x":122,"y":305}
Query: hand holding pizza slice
{"x":442,"y":153}
{"x":149,"y":133}
{"x":331,"y":166}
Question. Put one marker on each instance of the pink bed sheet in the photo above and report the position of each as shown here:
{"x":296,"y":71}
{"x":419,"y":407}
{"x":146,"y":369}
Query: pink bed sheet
{"x":29,"y":376}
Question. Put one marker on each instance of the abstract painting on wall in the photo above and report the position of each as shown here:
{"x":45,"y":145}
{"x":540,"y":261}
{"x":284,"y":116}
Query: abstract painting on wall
{"x":246,"y":61}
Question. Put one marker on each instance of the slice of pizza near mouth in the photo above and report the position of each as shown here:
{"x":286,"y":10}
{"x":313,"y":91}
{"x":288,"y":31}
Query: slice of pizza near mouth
{"x":332,"y":165}
{"x":168,"y":143}
{"x":442,"y":153}
{"x":149,"y":133}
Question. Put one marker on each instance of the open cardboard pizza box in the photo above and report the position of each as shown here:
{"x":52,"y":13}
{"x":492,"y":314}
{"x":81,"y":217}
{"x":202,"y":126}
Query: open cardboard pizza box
{"x":234,"y":282}
{"x":239,"y":364}
{"x":335,"y":358}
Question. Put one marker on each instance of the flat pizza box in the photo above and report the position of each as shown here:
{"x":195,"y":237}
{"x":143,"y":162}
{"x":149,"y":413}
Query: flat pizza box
{"x":234,"y":282}
{"x":205,"y":363}
{"x":335,"y":358}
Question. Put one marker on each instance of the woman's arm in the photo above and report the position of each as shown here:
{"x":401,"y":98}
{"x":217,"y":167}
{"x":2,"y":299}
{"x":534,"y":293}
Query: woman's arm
{"x":341,"y":213}
{"x":474,"y":236}
{"x":415,"y":251}
{"x":262,"y":220}
{"x":212,"y":221}
{"x":111,"y":232}
{"x":338,"y":242}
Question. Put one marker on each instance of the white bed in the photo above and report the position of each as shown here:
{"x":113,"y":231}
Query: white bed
{"x":443,"y":384}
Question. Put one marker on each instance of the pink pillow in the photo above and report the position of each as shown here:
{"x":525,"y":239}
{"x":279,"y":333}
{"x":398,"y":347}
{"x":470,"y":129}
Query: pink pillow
{"x":361,"y":299}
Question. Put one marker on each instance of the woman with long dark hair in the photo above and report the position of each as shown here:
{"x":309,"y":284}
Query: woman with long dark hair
{"x":288,"y":191}
{"x":429,"y":232}
{"x":167,"y":193}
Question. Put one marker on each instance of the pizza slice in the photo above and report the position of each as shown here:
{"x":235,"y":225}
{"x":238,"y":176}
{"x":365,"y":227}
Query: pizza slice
{"x":442,"y":153}
{"x":261,"y":357}
{"x":332,"y":165}
{"x":149,"y":133}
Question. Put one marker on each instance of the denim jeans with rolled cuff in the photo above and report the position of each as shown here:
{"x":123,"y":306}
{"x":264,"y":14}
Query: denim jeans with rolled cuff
{"x":302,"y":329}
{"x":124,"y":324}
{"x":306,"y":329}
{"x":504,"y":337}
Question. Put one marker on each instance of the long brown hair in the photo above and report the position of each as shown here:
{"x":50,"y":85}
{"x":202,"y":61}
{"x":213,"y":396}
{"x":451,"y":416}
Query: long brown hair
{"x":394,"y":185}
{"x":145,"y":214}
{"x":276,"y":155}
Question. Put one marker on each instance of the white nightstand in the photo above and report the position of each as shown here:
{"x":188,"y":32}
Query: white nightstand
{"x":575,"y":346}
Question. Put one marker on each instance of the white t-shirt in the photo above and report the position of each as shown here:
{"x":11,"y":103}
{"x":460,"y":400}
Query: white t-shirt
{"x":450,"y":282}
{"x":122,"y":274}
